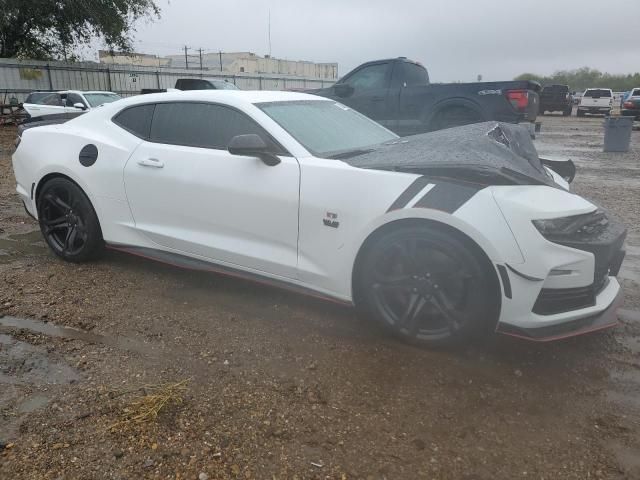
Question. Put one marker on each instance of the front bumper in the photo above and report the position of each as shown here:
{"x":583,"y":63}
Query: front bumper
{"x":607,"y":318}
{"x":566,"y":284}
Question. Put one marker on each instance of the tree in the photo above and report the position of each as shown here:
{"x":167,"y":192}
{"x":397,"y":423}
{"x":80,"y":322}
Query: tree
{"x":585,"y":77}
{"x":49,"y":29}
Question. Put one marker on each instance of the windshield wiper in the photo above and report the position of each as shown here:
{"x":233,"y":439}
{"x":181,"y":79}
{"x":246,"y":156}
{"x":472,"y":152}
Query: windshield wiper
{"x":349,"y":154}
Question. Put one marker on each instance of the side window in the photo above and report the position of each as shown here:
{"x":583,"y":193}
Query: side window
{"x":200,"y":125}
{"x":54,"y":100}
{"x":373,"y":76}
{"x":73,"y":98}
{"x":136,"y":120}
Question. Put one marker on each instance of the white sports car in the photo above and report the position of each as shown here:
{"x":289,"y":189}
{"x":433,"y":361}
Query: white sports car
{"x":439,"y":236}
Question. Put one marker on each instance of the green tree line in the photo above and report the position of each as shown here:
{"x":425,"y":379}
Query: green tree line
{"x":585,"y":77}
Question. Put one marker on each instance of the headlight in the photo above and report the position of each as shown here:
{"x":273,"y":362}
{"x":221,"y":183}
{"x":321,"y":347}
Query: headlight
{"x":589,"y":223}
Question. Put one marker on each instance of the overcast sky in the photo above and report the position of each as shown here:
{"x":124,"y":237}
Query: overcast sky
{"x":455,"y":39}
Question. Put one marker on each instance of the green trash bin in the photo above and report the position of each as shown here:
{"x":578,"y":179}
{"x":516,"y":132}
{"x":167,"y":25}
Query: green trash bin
{"x":617,"y":133}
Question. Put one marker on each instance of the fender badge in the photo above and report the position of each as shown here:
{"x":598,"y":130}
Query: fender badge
{"x":331,"y":220}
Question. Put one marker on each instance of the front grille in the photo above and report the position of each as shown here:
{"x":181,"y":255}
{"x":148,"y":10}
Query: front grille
{"x":560,"y":300}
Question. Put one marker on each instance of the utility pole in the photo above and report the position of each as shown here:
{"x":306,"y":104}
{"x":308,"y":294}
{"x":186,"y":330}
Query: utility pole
{"x":200,"y":52}
{"x":269,"y":33}
{"x":220,"y":52}
{"x":186,"y":58}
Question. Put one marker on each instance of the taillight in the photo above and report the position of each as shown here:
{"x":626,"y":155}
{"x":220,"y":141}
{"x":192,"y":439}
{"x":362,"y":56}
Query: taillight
{"x":518,"y":98}
{"x":628,"y":105}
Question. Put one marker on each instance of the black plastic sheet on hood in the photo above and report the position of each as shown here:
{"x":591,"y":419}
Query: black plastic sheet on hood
{"x":491,"y":148}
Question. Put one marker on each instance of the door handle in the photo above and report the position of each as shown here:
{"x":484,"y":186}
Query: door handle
{"x":151,"y":162}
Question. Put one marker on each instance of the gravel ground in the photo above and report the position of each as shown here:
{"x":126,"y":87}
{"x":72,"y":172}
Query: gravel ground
{"x":283,"y":386}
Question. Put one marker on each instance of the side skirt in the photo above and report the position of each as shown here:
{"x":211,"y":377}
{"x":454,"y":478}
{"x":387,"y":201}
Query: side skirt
{"x":188,"y":263}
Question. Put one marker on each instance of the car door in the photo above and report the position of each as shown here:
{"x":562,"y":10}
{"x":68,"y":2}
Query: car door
{"x":410,"y":83}
{"x":187,"y":193}
{"x":47,"y":105}
{"x":369,"y":92}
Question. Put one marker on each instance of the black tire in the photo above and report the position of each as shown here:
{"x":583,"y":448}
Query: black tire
{"x":426,"y":286}
{"x":455,"y":116}
{"x":580,"y":113}
{"x":541,"y":113}
{"x":567,"y":112}
{"x":68,"y":221}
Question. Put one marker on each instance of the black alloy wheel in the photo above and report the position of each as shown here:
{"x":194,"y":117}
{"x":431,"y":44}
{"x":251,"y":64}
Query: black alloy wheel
{"x":427,"y":287}
{"x":68,"y":222}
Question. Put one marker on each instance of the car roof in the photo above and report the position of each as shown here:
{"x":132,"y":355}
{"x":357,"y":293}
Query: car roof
{"x":226,"y":96}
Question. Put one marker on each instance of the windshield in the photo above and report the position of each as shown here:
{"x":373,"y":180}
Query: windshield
{"x":597,"y":93}
{"x":636,"y":93}
{"x":97,"y":99}
{"x":326,"y":128}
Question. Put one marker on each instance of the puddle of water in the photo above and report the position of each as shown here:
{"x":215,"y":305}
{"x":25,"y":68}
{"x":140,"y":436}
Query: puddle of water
{"x":21,"y":363}
{"x":74,"y":334}
{"x":33,"y":403}
{"x":20,"y":245}
{"x":627,"y":457}
{"x":629,"y":315}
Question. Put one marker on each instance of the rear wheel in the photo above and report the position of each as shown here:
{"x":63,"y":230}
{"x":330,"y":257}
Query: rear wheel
{"x":68,"y":222}
{"x":567,"y":112}
{"x":580,"y":113}
{"x":455,"y":116}
{"x":426,"y":286}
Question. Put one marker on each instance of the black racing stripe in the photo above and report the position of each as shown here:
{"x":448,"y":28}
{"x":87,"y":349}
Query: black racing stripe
{"x":447,"y":197}
{"x":506,"y":283}
{"x":411,"y":191}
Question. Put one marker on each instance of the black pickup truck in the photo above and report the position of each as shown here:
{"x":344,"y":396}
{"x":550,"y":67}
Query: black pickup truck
{"x":554,"y":98}
{"x":397,"y":94}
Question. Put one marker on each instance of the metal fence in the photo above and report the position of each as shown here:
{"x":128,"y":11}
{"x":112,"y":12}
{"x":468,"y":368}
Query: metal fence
{"x":18,"y":78}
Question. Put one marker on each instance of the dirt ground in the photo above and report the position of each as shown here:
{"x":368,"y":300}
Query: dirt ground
{"x":281,"y":386}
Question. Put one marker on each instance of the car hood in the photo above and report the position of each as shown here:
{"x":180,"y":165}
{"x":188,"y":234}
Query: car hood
{"x":489,"y":152}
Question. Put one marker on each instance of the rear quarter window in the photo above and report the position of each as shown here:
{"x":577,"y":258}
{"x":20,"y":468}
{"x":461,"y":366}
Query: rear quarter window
{"x":136,"y":120}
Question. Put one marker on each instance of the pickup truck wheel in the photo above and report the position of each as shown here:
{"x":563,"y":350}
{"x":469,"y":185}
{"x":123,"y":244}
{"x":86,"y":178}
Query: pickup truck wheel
{"x":580,"y":113}
{"x":426,"y":286}
{"x":455,"y":116}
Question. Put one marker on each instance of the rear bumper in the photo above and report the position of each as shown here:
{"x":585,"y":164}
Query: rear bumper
{"x":594,"y":109}
{"x":556,"y":107}
{"x":606,"y":318}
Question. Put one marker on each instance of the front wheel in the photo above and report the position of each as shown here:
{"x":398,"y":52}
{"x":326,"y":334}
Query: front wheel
{"x":68,"y":222}
{"x":426,"y":286}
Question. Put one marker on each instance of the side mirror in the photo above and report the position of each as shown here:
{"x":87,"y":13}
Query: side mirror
{"x":253,"y":145}
{"x":343,"y":90}
{"x":79,"y":105}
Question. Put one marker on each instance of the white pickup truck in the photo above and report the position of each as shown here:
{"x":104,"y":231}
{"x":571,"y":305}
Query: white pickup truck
{"x":39,"y":104}
{"x":596,"y":100}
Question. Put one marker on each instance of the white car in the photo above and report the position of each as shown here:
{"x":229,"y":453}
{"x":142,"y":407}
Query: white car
{"x":39,"y":104}
{"x":439,"y":236}
{"x":596,"y":100}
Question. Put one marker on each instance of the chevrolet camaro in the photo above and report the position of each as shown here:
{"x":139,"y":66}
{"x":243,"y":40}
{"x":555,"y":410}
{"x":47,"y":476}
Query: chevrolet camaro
{"x":439,"y":236}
